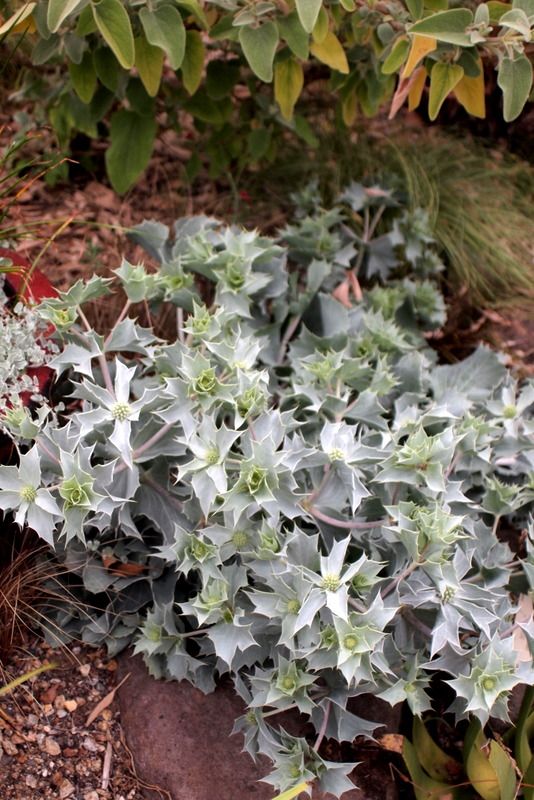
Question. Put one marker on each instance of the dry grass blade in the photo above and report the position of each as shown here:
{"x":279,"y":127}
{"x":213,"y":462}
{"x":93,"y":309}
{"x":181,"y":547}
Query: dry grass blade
{"x":479,"y":203}
{"x":105,"y":702}
{"x":106,"y":769}
{"x":26,"y":677}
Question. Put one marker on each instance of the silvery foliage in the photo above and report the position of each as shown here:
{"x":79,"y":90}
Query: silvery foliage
{"x":293,"y":492}
{"x":22,"y":345}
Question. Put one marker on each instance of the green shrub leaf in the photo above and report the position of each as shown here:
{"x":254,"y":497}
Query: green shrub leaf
{"x":517,"y":20}
{"x":515,"y":80}
{"x":132,"y":140}
{"x":83,"y":77}
{"x":149,"y":63}
{"x":525,"y":5}
{"x":114,"y":24}
{"x":415,"y":7}
{"x":320,"y":29}
{"x":164,"y":28}
{"x":396,"y":57}
{"x":259,"y":46}
{"x":58,"y":11}
{"x":446,"y":26}
{"x":308,"y":11}
{"x":193,"y":63}
{"x":443,"y":79}
{"x":294,"y":34}
{"x":107,"y":68}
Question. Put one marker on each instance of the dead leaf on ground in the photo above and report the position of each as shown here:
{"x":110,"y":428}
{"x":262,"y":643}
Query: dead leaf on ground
{"x":525,"y":613}
{"x":392,"y":742}
{"x":104,"y":703}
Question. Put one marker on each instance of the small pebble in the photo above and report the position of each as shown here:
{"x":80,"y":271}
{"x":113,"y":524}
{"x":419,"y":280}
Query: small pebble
{"x":51,"y":747}
{"x":90,"y":745}
{"x":66,"y":789}
{"x":10,"y":749}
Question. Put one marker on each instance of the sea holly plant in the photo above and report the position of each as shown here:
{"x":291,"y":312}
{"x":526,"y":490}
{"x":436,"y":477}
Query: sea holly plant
{"x":293,"y":492}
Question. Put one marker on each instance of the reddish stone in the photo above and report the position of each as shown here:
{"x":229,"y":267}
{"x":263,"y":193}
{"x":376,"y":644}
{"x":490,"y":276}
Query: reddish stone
{"x":181,"y":742}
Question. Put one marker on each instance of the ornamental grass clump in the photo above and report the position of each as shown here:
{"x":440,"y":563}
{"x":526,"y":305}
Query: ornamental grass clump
{"x":294,"y":492}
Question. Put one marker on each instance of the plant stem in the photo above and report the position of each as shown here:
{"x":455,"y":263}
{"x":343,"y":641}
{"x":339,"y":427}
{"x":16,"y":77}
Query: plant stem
{"x":189,"y":634}
{"x":290,"y":330}
{"x":369,"y":228}
{"x":404,"y":574}
{"x":149,"y":442}
{"x":357,"y":605}
{"x":346,"y":410}
{"x":316,"y":492}
{"x":180,"y":324}
{"x":160,"y":490}
{"x":416,"y":623}
{"x":338,"y":523}
{"x":322,"y":729}
{"x":42,"y":446}
{"x":101,"y":358}
{"x":124,"y":311}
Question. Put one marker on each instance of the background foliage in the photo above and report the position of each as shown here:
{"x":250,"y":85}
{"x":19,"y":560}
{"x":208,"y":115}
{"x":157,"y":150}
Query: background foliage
{"x":125,"y":69}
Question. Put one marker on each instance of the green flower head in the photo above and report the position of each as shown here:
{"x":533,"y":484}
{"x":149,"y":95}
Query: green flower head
{"x":206,"y":382}
{"x":255,"y":479}
{"x":76,"y":494}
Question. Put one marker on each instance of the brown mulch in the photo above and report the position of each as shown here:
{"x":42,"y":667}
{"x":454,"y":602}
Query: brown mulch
{"x":47,"y":749}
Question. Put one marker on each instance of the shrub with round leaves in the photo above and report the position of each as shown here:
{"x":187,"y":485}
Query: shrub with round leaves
{"x":293,"y":492}
{"x":117,"y":57}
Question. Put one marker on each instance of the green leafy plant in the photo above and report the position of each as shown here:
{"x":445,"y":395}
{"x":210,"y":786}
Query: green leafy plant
{"x":214,"y":47}
{"x":293,"y":492}
{"x":478,"y":211}
{"x":487,"y":765}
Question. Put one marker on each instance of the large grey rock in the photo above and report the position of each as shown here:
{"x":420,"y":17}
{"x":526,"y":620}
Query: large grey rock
{"x":181,"y":742}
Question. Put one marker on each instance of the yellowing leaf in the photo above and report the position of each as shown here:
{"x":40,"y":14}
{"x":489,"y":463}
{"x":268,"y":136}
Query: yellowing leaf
{"x":477,"y":763}
{"x":288,"y":83}
{"x":438,"y":764}
{"x":15,"y":21}
{"x":425,"y":787}
{"x":289,"y":794}
{"x":416,"y":89}
{"x":330,"y":52}
{"x":349,"y":109}
{"x":104,"y":703}
{"x":402,"y":91}
{"x":320,"y":28}
{"x":28,"y":26}
{"x":443,"y":79}
{"x":471,"y":95}
{"x":421,"y":47}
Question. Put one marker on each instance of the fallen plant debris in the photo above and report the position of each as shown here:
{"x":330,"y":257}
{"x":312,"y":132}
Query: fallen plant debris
{"x":49,"y":748}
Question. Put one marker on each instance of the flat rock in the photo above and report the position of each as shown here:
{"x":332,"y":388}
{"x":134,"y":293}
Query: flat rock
{"x":181,"y":741}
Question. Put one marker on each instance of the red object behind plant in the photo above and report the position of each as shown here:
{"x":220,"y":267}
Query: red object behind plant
{"x":29,"y":285}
